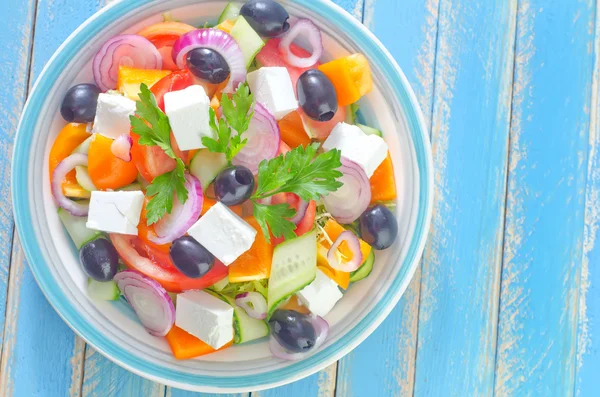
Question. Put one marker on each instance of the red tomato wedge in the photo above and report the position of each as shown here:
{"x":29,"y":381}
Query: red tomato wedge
{"x":163,"y":35}
{"x":152,"y":161}
{"x":306,"y":224}
{"x":157,"y":265}
{"x":269,"y":56}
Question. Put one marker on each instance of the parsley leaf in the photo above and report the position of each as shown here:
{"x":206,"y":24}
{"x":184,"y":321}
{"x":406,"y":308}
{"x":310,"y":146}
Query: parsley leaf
{"x":237,"y":115}
{"x":301,"y":172}
{"x":276,"y":217}
{"x":153,"y":128}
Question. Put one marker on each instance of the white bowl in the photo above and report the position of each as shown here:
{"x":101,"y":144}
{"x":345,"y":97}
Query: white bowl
{"x":112,"y":328}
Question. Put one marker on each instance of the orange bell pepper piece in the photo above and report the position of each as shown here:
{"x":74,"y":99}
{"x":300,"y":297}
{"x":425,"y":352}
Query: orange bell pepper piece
{"x":71,"y":136}
{"x":383,"y":183}
{"x":208,"y":203}
{"x":351,"y":77}
{"x":185,"y":346}
{"x":254,"y":264}
{"x":130,"y":79}
{"x":294,"y":304}
{"x":292,"y":130}
{"x":106,"y":170}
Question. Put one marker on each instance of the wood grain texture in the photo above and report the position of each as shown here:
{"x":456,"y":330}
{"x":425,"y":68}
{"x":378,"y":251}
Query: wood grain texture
{"x":384,"y":364}
{"x":461,"y":265}
{"x":16,"y":39}
{"x":546,"y":199}
{"x":587,"y":381}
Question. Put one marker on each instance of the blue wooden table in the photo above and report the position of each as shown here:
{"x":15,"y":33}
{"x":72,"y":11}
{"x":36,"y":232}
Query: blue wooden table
{"x":507,"y":299}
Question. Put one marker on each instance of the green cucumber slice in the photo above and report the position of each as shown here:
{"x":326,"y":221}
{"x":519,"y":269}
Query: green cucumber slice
{"x":84,"y":146}
{"x":206,"y":165}
{"x":135,"y":186}
{"x":370,"y":130}
{"x":76,"y":228}
{"x":294,"y":266}
{"x":246,"y":328}
{"x":220,"y":285}
{"x":107,"y":291}
{"x":247,"y":38}
{"x":83,"y":178}
{"x":231,"y":11}
{"x":365,"y":269}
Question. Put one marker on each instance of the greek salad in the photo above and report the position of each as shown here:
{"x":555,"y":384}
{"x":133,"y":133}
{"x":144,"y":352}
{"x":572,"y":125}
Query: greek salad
{"x":219,"y":179}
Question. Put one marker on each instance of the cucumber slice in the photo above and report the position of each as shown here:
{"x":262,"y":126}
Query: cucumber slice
{"x":107,"y":291}
{"x":206,"y":165}
{"x":294,"y":266}
{"x":247,"y":38}
{"x":365,"y":269}
{"x":76,"y":228}
{"x":135,"y":186}
{"x":370,"y":130}
{"x":84,"y":147}
{"x":246,"y":328}
{"x":220,"y":285}
{"x":231,"y":11}
{"x":83,"y":178}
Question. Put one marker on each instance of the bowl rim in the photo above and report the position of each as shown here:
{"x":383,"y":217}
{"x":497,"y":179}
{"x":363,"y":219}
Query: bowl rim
{"x":56,"y":297}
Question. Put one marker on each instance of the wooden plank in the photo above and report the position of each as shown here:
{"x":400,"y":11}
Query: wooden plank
{"x":15,"y":39}
{"x":546,"y":199}
{"x":384,"y":364}
{"x":461,"y":266}
{"x":172,"y":392}
{"x":588,"y":357}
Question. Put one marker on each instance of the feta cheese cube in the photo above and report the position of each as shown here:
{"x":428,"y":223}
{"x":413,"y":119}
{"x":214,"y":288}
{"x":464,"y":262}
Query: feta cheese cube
{"x":112,"y":115}
{"x":206,"y":317}
{"x":223,"y":233}
{"x":368,"y":151}
{"x":321,"y":295}
{"x":272,"y":87}
{"x":115,"y":212}
{"x":189,"y":116}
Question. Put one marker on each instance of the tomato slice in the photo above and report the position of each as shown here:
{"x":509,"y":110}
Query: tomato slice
{"x":157,"y":265}
{"x":307,"y":223}
{"x":176,"y":81}
{"x":163,"y":35}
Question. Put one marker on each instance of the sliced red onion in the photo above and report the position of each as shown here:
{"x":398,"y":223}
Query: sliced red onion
{"x":263,"y":140}
{"x":313,"y":35}
{"x":149,"y":300}
{"x":128,"y":50}
{"x":253,"y":303}
{"x":216,"y":40}
{"x":59,"y":174}
{"x":333,"y":255}
{"x":321,"y":330}
{"x":182,"y":216}
{"x":300,"y":212}
{"x":348,"y":203}
{"x":121,"y":147}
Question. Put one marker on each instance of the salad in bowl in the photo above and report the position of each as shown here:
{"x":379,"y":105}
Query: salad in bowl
{"x":219,"y":180}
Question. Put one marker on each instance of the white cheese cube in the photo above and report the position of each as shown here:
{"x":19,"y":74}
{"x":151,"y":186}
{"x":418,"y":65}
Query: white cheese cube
{"x":112,"y":115}
{"x":272,"y":87}
{"x":115,"y":212}
{"x":206,"y":317}
{"x":189,"y":116}
{"x":368,"y":151}
{"x":321,"y":295}
{"x":223,"y":233}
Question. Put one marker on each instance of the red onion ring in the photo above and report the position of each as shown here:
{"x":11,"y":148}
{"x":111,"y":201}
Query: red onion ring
{"x":354,"y":246}
{"x":121,"y":147}
{"x":321,"y":330}
{"x":313,"y":34}
{"x":216,"y":40}
{"x":128,"y":50}
{"x":348,"y":203}
{"x":149,"y":300}
{"x":59,"y":174}
{"x":253,"y":303}
{"x":263,"y":140}
{"x":182,"y":216}
{"x":300,"y":212}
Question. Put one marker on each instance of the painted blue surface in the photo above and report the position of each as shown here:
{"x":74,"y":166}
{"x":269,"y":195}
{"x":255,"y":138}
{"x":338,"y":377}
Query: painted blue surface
{"x":507,"y":302}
